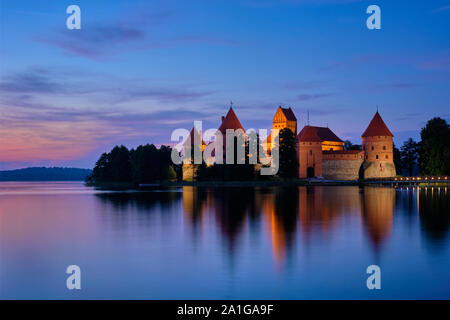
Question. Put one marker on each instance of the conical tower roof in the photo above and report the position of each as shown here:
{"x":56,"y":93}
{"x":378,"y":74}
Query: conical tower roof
{"x":377,"y":127}
{"x":230,"y":121}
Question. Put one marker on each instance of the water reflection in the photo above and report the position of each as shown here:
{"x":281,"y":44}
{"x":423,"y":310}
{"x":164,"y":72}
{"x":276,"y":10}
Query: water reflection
{"x":241,"y":243}
{"x":294,"y":216}
{"x":378,"y":213}
{"x":434,"y":204}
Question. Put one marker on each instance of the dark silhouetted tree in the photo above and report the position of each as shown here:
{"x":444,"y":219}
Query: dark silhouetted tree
{"x":349,"y":146}
{"x":409,"y":155}
{"x":434,"y":149}
{"x":397,"y":160}
{"x":150,"y":163}
{"x":102,"y":169}
{"x":140,"y":165}
{"x":288,"y":154}
{"x":120,"y":164}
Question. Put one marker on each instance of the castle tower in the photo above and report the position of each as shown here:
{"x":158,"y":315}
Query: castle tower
{"x":312,"y":143}
{"x":231,"y":121}
{"x":283,"y":118}
{"x":193,"y":144}
{"x":309,"y":153}
{"x":378,"y":150}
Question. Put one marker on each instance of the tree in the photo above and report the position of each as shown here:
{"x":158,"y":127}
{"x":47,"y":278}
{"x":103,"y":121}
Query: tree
{"x":350,"y":146}
{"x":150,"y":164}
{"x":113,"y":166}
{"x":171,"y":174}
{"x":101,"y":169}
{"x":140,"y":165}
{"x":434,"y":149}
{"x":409,"y":155}
{"x":120,"y":164}
{"x":397,"y":159}
{"x":288,"y":154}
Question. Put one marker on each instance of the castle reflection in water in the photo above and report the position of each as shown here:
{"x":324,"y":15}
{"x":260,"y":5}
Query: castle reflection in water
{"x":293,"y":216}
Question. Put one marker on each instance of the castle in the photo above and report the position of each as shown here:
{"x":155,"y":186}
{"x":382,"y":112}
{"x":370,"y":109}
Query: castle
{"x":320,"y":151}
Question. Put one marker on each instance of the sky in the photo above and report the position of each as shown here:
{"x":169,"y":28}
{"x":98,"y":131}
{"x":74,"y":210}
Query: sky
{"x":137,"y":70}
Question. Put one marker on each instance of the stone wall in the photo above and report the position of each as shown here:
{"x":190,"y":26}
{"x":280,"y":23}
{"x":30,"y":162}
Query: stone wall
{"x":341,"y":169}
{"x":190,"y":172}
{"x":379,"y":169}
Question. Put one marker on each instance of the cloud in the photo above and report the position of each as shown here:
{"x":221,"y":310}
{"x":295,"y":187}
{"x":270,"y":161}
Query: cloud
{"x":26,"y":83}
{"x":272,"y":3}
{"x":308,"y":97}
{"x":437,"y":61}
{"x":408,"y":116}
{"x":303,"y":85}
{"x":102,"y":40}
{"x":137,"y":31}
{"x":98,"y":42}
{"x":403,"y":85}
{"x":444,"y":8}
{"x":52,"y":114}
{"x":322,"y":111}
{"x":44,"y":82}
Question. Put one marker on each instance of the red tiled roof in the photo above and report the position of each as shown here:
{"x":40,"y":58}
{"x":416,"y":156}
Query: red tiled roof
{"x":377,"y":127}
{"x":231,"y":121}
{"x":310,"y":133}
{"x":289,"y":114}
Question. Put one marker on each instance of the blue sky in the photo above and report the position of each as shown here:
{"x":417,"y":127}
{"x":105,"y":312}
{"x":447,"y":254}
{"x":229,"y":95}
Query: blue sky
{"x":137,"y":70}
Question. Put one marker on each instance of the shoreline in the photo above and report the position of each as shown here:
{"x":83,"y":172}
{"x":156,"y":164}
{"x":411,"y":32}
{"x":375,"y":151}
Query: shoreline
{"x":268,"y":183}
{"x":178,"y":184}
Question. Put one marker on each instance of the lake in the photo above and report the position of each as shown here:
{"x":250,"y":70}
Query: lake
{"x":223,"y":243}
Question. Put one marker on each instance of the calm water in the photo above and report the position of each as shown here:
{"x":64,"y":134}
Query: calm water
{"x":227,"y":243}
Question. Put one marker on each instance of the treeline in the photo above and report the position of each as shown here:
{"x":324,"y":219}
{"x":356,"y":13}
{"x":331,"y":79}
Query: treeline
{"x":141,"y":165}
{"x":147,"y":164}
{"x":430,"y":156}
{"x":45,"y":174}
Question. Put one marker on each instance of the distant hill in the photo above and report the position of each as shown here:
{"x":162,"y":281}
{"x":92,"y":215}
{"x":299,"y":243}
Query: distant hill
{"x":45,"y":174}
